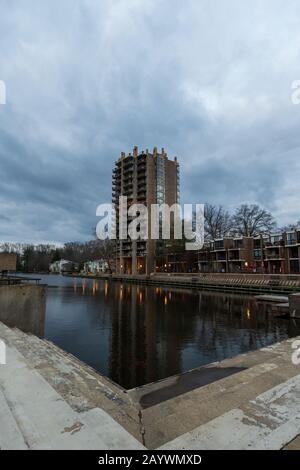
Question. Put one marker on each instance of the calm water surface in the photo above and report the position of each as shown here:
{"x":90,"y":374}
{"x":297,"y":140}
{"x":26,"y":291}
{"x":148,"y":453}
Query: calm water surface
{"x":136,"y":335}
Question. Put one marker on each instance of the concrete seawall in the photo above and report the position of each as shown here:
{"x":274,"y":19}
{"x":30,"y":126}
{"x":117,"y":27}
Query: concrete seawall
{"x":23,"y":306}
{"x":244,"y":283}
{"x":50,"y":400}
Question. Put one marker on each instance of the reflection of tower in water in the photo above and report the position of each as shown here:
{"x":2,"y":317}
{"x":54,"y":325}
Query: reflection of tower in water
{"x":83,"y":287}
{"x":145,"y":342}
{"x":95,"y":287}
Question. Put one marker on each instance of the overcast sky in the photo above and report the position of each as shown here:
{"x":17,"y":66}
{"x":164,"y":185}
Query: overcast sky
{"x":208,"y":80}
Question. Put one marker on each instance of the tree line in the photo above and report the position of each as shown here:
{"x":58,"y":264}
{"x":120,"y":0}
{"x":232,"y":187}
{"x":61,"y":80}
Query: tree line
{"x":246,"y":220}
{"x":37,"y":258}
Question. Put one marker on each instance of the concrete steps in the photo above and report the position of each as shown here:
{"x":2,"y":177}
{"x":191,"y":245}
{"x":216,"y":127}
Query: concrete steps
{"x":268,"y":422}
{"x":34,"y":415}
{"x":48,"y":399}
{"x":49,"y":358}
{"x":81,"y":385}
{"x":58,"y":358}
{"x":11,"y":437}
{"x":264,"y":370}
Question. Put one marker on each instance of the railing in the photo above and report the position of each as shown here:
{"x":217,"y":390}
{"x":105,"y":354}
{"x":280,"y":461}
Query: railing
{"x":13,"y":280}
{"x":235,"y":282}
{"x":293,"y":277}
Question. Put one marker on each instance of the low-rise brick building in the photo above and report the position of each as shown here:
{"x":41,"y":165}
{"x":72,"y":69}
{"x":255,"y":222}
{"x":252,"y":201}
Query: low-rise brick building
{"x":276,"y":253}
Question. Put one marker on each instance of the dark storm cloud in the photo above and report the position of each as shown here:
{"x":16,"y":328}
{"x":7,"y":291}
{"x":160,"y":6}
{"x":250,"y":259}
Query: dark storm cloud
{"x":4,"y":218}
{"x":210,"y":81}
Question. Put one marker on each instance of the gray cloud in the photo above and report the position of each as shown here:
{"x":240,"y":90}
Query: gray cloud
{"x":210,"y":81}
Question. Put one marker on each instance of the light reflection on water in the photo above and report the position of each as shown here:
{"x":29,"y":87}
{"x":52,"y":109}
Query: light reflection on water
{"x":138,"y":334}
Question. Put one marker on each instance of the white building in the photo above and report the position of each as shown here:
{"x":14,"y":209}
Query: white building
{"x":62,"y":266}
{"x":96,"y":267}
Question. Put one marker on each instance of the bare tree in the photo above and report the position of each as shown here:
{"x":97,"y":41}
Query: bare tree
{"x":290,"y":227}
{"x":217,"y":222}
{"x":252,"y":220}
{"x":107,"y":249}
{"x":36,"y":258}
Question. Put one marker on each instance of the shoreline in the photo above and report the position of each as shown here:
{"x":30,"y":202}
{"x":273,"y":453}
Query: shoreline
{"x":239,"y":283}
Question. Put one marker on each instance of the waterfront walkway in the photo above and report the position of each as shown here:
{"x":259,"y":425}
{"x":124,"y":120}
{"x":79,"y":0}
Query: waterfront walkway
{"x":51,"y":400}
{"x":238,"y":283}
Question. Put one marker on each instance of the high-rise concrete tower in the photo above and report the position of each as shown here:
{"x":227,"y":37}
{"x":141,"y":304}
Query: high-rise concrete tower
{"x":144,"y":178}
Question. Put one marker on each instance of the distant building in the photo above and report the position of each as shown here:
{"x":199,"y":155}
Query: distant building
{"x":63,"y":266}
{"x":8,"y":262}
{"x":96,"y":267}
{"x":144,"y":178}
{"x":276,"y":253}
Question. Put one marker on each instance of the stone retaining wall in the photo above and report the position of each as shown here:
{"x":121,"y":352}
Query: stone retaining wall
{"x":23,"y":306}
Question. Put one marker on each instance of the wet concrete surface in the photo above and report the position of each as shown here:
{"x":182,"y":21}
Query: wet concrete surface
{"x":185,"y":383}
{"x":226,"y":393}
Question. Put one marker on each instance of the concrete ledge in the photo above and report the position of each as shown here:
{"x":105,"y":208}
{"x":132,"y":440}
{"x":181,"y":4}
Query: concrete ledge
{"x":248,"y":401}
{"x":23,"y":306}
{"x":41,"y":417}
{"x":294,"y":301}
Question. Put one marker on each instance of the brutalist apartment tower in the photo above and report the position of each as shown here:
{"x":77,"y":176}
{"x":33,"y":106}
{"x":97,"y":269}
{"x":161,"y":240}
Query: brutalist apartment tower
{"x":144,"y":178}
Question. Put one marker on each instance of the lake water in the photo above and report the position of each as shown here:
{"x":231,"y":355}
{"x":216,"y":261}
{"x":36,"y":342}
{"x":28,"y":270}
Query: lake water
{"x":136,"y":334}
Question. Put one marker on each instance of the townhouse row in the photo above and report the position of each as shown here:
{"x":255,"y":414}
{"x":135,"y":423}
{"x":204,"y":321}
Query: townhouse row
{"x":277,"y":253}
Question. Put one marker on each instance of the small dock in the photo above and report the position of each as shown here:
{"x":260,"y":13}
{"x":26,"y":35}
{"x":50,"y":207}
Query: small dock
{"x":278,"y":299}
{"x":290,"y":305}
